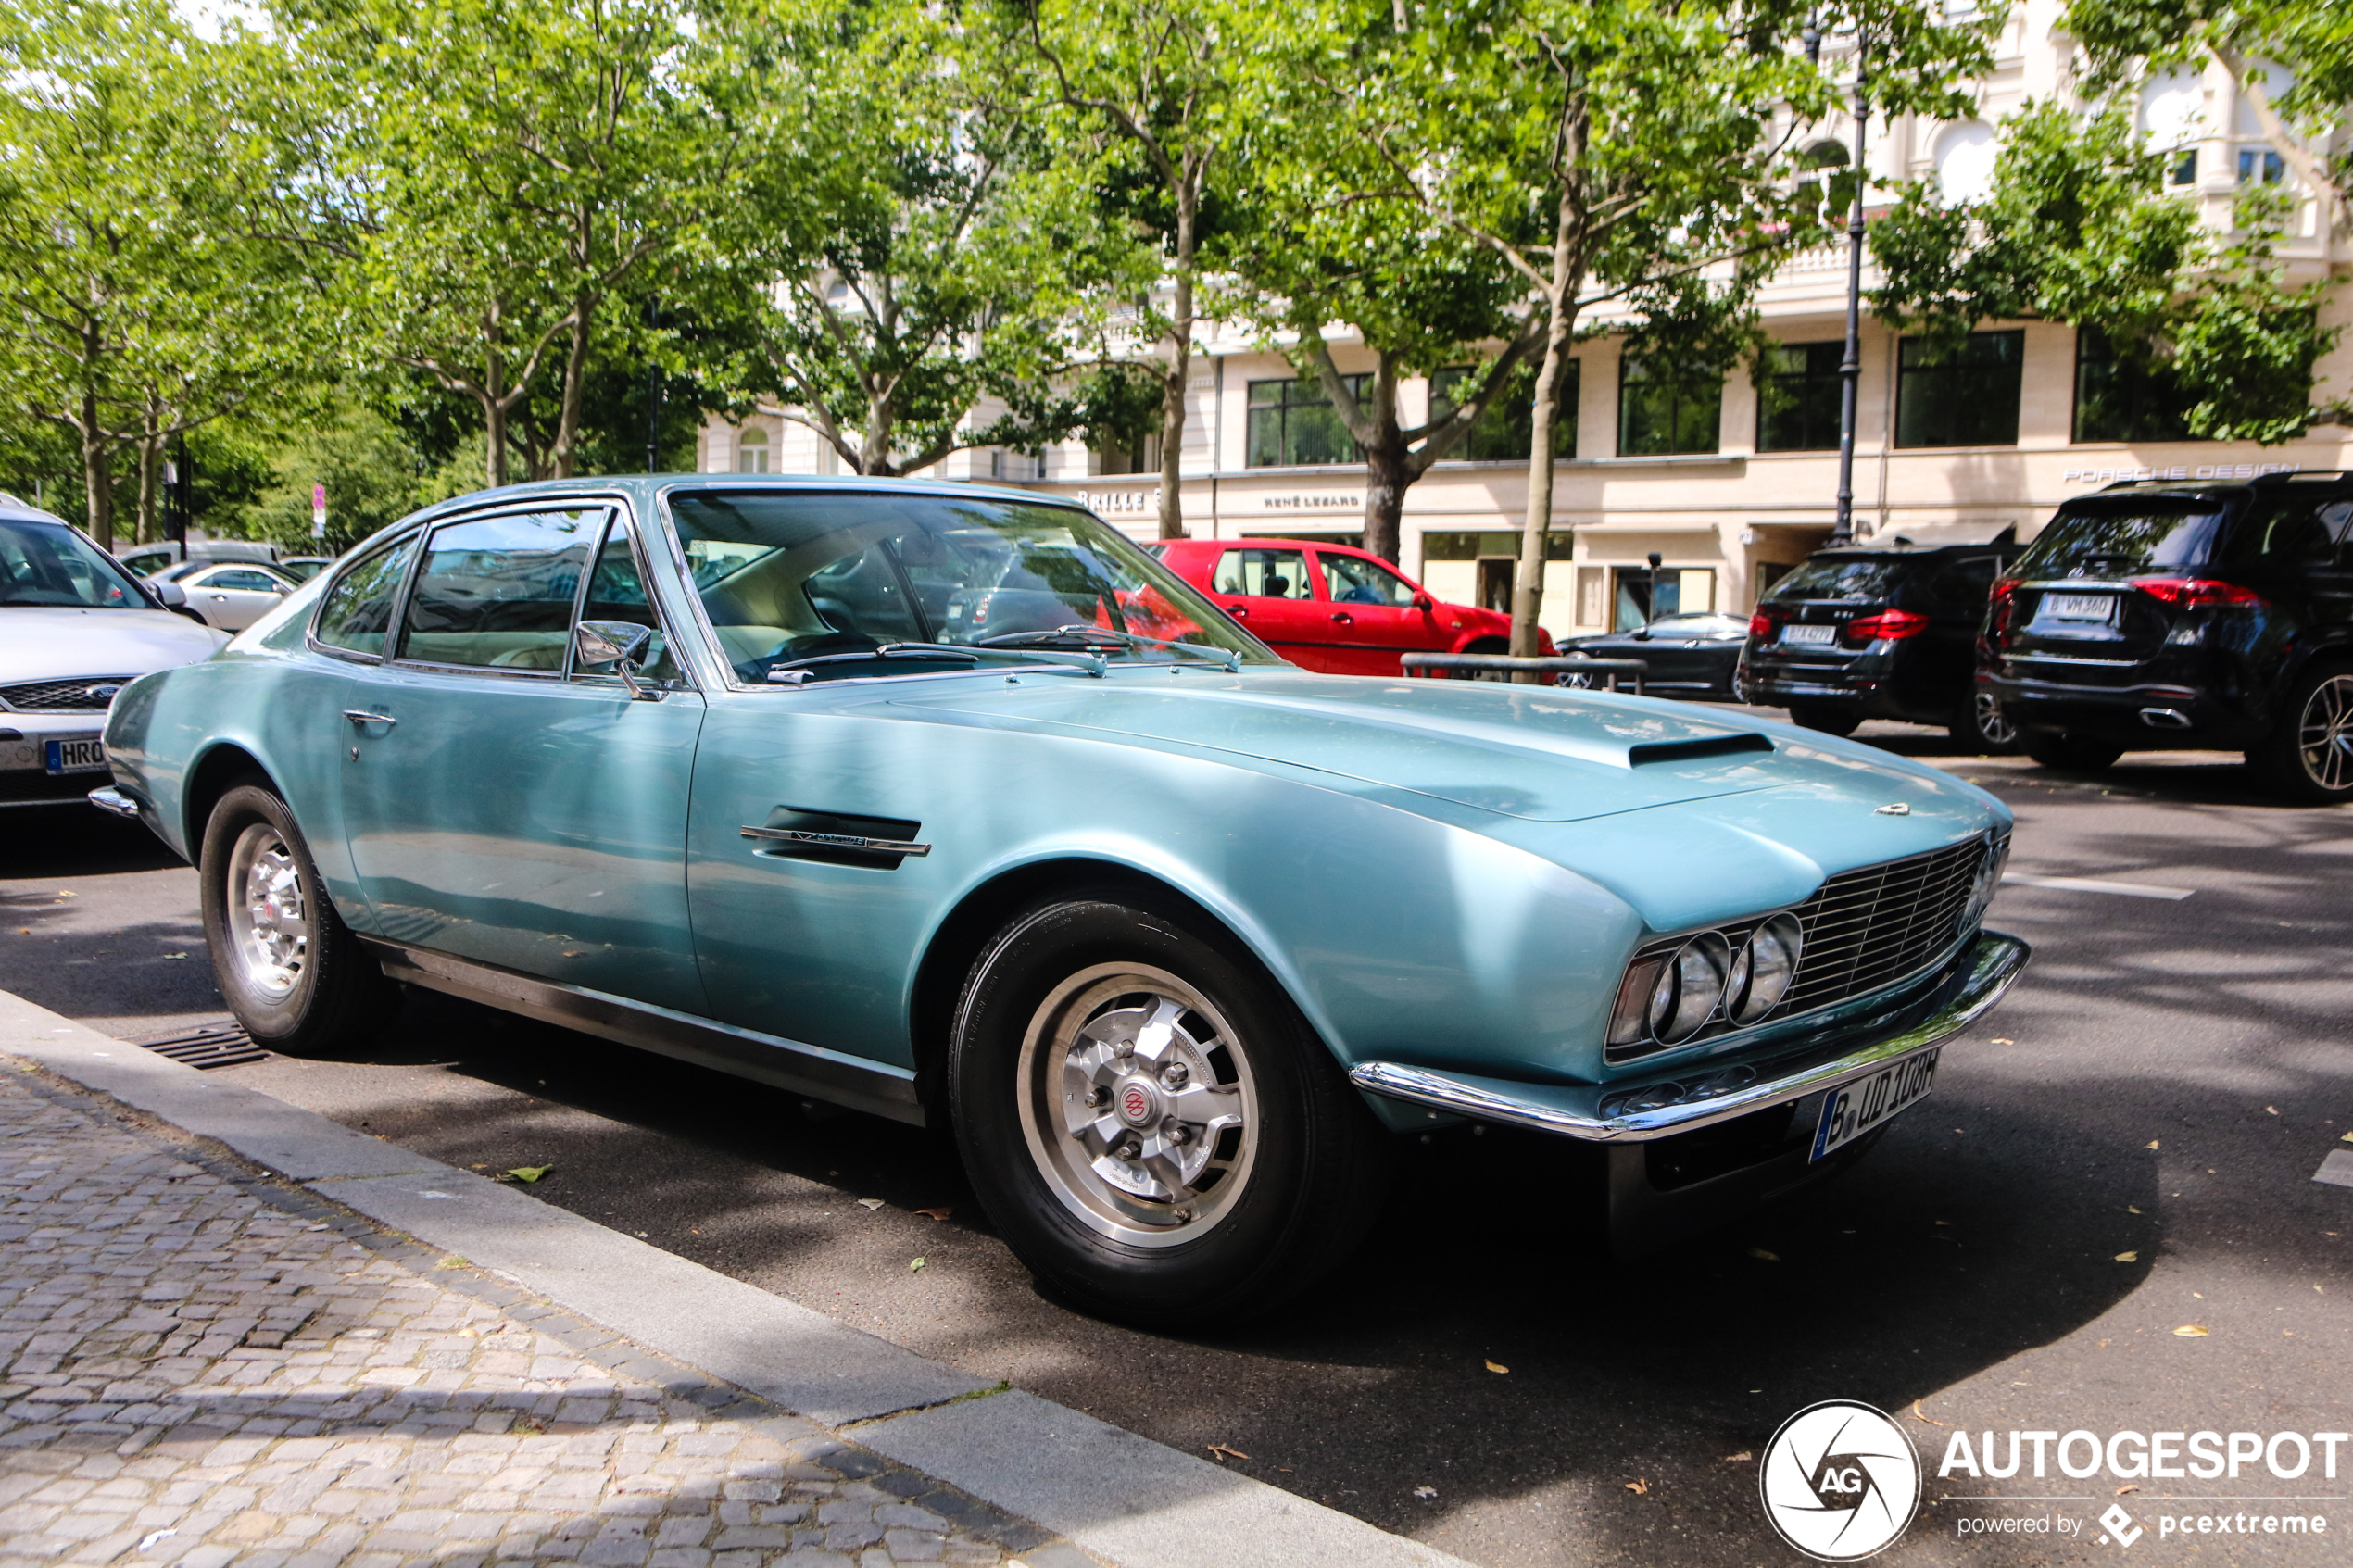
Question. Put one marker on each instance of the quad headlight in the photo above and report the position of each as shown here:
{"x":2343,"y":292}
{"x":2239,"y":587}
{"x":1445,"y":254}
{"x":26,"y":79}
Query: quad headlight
{"x":1669,"y":997}
{"x":1763,"y":969}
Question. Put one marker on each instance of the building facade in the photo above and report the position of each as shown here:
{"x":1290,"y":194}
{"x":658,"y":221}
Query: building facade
{"x":1730,"y":480}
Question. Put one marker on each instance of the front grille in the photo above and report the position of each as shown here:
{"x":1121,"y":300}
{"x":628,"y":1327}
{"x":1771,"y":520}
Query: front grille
{"x":63,"y":697}
{"x":20,"y":786}
{"x":1869,"y":928}
{"x":1864,"y":930}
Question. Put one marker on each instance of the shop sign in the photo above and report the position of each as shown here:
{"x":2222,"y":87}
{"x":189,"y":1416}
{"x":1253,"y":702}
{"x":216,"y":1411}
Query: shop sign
{"x":2201,"y":470}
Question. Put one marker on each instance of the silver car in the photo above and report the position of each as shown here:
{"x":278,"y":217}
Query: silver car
{"x":230,"y":594}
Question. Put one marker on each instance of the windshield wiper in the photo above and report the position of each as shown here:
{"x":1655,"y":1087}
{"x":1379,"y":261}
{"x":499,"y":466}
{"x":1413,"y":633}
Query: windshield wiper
{"x":795,"y":672}
{"x":1103,"y":636}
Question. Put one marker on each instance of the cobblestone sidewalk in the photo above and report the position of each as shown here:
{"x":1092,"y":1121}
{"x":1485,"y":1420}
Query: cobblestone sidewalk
{"x":201,"y":1366}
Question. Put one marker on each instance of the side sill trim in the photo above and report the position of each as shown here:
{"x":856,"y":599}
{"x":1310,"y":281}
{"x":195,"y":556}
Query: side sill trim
{"x":1993,"y":965}
{"x":873,"y":1086}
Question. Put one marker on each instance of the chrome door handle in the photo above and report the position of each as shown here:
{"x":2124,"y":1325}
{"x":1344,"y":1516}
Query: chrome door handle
{"x":361,"y":716}
{"x":1343,"y":618}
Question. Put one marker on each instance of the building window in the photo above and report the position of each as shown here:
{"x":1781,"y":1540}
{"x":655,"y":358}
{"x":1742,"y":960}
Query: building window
{"x":2266,"y":162}
{"x":2184,"y":170}
{"x":1292,"y":425}
{"x":751,"y":451}
{"x":1140,"y":454}
{"x":1966,"y":154}
{"x":1797,"y":397}
{"x":1502,"y":433}
{"x":1640,"y":596}
{"x":2117,"y":400}
{"x":1664,"y":407}
{"x":1964,"y":395}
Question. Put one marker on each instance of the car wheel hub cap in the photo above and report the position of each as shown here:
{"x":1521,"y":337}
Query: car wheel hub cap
{"x":1138,"y":1104}
{"x":2326,"y":736}
{"x":269,"y":916}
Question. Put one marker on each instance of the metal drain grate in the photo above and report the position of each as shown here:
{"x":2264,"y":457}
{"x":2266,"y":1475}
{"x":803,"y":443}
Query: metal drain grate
{"x":221,"y":1046}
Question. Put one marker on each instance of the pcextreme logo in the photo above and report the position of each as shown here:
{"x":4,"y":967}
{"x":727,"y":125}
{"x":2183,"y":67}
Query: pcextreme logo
{"x":1840,"y":1481}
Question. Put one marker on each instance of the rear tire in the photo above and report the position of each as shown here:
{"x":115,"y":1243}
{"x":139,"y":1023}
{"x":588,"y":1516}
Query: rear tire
{"x":2069,"y":751}
{"x":1981,"y":724}
{"x":1830,"y":719}
{"x":2308,"y":758}
{"x":1149,"y":1122}
{"x":292,"y":971}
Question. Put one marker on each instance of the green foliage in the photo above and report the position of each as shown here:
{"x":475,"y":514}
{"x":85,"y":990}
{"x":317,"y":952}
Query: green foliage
{"x":2077,"y":228}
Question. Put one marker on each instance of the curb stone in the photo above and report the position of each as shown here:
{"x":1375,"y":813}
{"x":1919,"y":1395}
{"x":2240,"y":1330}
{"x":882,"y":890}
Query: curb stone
{"x":1034,"y":1459}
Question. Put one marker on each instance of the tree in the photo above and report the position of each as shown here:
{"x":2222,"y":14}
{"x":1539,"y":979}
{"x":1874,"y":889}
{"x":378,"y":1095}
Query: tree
{"x":1625,"y":150}
{"x":940,"y":285}
{"x":1154,"y":79}
{"x":134,"y":304}
{"x":2077,"y":228}
{"x":493,"y":174}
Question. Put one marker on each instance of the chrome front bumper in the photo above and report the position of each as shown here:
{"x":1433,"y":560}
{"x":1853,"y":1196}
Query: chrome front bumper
{"x":1705,"y":1095}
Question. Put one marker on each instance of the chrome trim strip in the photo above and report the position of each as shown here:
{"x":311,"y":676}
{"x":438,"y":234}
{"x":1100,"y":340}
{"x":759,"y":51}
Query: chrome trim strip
{"x":839,"y":841}
{"x":873,"y":1086}
{"x":113,"y":801}
{"x":1994,"y":964}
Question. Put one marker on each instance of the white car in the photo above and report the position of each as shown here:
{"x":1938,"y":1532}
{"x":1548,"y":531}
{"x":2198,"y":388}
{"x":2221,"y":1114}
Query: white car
{"x":74,"y":629}
{"x":230,"y":594}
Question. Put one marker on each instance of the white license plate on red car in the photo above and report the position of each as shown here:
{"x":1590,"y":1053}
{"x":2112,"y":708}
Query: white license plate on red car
{"x":1869,"y":1103}
{"x":1819,"y":636}
{"x":77,"y":756}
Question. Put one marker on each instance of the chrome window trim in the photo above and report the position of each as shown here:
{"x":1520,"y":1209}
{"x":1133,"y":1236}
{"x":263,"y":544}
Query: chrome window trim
{"x":399,"y":535}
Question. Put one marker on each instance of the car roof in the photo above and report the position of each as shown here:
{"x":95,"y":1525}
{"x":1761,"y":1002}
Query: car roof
{"x":14,"y":510}
{"x":2214,"y":487}
{"x":1928,"y":538}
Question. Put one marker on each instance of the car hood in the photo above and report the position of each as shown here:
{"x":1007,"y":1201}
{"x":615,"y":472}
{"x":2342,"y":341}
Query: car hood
{"x":1539,"y":754}
{"x":54,"y":643}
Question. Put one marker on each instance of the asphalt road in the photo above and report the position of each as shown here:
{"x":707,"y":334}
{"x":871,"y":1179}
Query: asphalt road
{"x":2125,"y":1150}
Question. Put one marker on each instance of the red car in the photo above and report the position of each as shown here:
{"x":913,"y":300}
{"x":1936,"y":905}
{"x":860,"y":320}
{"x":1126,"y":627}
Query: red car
{"x":1329,"y":607}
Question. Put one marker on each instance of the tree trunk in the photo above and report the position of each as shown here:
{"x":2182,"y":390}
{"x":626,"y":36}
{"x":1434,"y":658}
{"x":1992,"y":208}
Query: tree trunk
{"x":493,"y":421}
{"x":1387,"y":468}
{"x":150,"y":462}
{"x":560,"y":457}
{"x":1180,"y":366}
{"x":1560,"y":330}
{"x":97,"y":474}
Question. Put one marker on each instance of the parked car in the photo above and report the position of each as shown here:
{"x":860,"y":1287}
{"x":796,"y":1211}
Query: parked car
{"x":149,"y":561}
{"x":75,"y":629}
{"x":2211,"y":616}
{"x":1886,"y":629}
{"x":1176,"y":937}
{"x":302,"y":569}
{"x":1697,"y":655}
{"x":1331,"y":607}
{"x":229,"y":594}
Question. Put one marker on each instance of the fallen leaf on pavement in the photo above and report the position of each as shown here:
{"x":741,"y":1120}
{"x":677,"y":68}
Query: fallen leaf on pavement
{"x":530,"y":1173}
{"x":1497,"y":1366}
{"x":1640,"y":1486}
{"x":1741,"y":1457}
{"x":175,"y":955}
{"x":1763,"y":1256}
{"x":1924,"y":1415}
{"x":2152,"y":1143}
{"x":1424,"y":1492}
{"x":2190,"y":1331}
{"x":2345,"y":1138}
{"x":2130,"y":1208}
{"x":916,"y":1267}
{"x":870,"y":1204}
{"x":2122,"y":1490}
{"x":2128,"y":1257}
{"x":1999,"y":1041}
{"x":2273,"y":1108}
{"x":1226,"y":1452}
{"x":939,"y":1213}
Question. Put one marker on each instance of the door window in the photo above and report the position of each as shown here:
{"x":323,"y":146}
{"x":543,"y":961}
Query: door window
{"x":617,"y":592}
{"x":1263,"y":575}
{"x":240,"y":577}
{"x":497,"y":592}
{"x":1353,"y":580}
{"x":357,"y":609}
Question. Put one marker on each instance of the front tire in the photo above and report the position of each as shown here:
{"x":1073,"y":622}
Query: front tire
{"x":292,"y":971}
{"x":1148,"y":1120}
{"x":2308,"y":758}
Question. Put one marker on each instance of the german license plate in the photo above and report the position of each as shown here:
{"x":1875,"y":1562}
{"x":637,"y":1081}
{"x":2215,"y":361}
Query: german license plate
{"x":87,"y":755}
{"x":2080,"y":607}
{"x":1849,"y":1112}
{"x":1817,"y":634}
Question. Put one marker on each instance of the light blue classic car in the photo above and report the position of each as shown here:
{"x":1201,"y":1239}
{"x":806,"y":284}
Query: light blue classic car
{"x":947,"y":803}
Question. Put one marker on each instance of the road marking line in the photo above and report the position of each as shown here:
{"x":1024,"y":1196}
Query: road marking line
{"x":2336,"y":1169}
{"x":2086,"y":884}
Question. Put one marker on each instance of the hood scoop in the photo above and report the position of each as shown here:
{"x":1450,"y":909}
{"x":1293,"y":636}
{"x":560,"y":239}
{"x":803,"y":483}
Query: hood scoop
{"x":1648,"y":753}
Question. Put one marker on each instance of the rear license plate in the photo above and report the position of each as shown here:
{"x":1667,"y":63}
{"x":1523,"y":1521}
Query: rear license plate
{"x":2080,"y":607}
{"x":1816,"y":634}
{"x":78,"y":756}
{"x":1849,"y":1112}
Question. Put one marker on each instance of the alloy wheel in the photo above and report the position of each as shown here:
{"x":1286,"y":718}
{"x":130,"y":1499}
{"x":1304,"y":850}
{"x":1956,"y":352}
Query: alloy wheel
{"x":2325,"y":734}
{"x":1992,"y":726}
{"x":1138,"y":1104}
{"x":270,"y":923}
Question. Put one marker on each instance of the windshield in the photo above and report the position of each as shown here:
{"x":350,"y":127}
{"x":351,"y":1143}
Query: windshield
{"x":44,"y":564}
{"x":786,"y":578}
{"x":1840,"y":577}
{"x":2105,"y":538}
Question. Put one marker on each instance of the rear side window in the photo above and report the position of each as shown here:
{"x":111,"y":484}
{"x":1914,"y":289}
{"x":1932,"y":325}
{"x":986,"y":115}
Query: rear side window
{"x":2125,"y":537}
{"x":497,"y":592}
{"x":1263,"y":575}
{"x":358,"y":609}
{"x":1841,"y":578}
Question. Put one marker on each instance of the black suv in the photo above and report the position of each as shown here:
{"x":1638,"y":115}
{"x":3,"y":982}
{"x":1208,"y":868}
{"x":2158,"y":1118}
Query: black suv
{"x":2211,"y":616}
{"x":1882,"y":630}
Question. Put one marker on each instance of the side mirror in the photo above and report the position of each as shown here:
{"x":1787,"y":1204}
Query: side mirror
{"x":1641,"y":633}
{"x":1423,"y":603}
{"x":621,"y":645}
{"x":173,"y":595}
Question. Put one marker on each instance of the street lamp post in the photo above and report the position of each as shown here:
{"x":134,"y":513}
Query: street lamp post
{"x":1850,"y":369}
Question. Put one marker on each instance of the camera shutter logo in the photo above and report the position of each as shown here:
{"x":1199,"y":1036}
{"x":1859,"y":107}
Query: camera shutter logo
{"x":1840,"y":1481}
